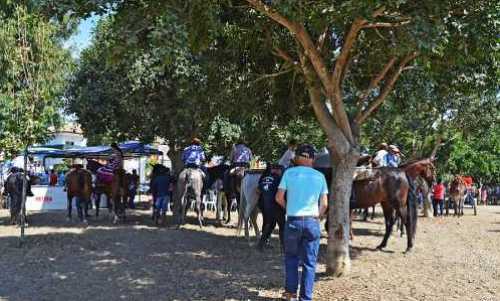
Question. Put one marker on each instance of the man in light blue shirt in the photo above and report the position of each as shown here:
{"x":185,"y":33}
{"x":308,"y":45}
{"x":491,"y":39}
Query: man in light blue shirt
{"x":306,"y":201}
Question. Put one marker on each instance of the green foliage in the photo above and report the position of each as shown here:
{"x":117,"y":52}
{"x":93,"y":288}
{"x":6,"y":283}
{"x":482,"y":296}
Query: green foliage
{"x":477,"y":156}
{"x":34,"y":69}
{"x":177,"y":69}
{"x":140,"y":80}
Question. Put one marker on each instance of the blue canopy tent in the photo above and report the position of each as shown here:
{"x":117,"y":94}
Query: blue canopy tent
{"x":131,"y":149}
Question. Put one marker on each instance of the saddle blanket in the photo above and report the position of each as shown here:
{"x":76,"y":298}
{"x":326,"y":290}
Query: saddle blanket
{"x":364,"y":173}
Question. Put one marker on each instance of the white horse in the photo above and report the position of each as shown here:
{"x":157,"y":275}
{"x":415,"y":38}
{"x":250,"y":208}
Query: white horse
{"x":189,"y":188}
{"x":249,"y":198}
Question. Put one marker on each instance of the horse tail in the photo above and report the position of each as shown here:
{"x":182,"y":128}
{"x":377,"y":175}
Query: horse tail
{"x":81,"y":180}
{"x":121,"y":177}
{"x":411,"y":207}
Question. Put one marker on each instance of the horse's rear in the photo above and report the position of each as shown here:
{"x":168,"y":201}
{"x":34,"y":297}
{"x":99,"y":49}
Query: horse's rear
{"x":79,"y":185}
{"x":119,"y":193}
{"x":248,"y":203}
{"x":13,"y":187}
{"x":232,"y":187}
{"x":189,"y":188}
{"x":457,"y":196}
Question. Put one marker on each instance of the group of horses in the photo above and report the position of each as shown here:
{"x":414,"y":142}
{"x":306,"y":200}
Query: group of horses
{"x":392,"y":187}
{"x":79,"y":186}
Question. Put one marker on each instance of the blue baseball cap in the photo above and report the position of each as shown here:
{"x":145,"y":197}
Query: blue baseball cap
{"x":306,"y":150}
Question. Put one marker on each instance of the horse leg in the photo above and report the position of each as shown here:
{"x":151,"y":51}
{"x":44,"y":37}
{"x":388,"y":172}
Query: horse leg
{"x":181,"y":211}
{"x":70,"y":206}
{"x":199,"y":209}
{"x":79,"y":208}
{"x":229,"y":203}
{"x":253,"y":219}
{"x":365,"y":214}
{"x":116,"y":209}
{"x":461,"y":206}
{"x":373,"y":212}
{"x":87,"y":204}
{"x":97,"y":203}
{"x":409,"y":233}
{"x":389,"y":223}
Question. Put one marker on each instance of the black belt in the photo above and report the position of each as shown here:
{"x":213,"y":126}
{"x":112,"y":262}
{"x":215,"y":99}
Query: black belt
{"x":298,"y":218}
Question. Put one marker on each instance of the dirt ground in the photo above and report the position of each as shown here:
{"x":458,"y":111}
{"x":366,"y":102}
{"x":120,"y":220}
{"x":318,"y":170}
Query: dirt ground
{"x":454,"y":259}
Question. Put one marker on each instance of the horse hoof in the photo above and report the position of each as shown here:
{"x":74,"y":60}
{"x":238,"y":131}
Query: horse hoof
{"x":408,"y":251}
{"x":380,"y":248}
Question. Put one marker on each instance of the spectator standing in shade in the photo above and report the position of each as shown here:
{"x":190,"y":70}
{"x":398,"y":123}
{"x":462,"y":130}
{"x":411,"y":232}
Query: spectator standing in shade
{"x":306,"y":201}
{"x":438,"y":192}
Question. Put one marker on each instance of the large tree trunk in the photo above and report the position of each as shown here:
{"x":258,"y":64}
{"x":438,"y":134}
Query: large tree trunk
{"x":338,"y":258}
{"x":175,"y":155}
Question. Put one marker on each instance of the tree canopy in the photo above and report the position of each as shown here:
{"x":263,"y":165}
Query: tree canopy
{"x":34,"y":69}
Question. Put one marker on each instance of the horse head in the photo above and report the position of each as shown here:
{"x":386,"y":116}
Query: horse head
{"x":428,"y":171}
{"x":423,"y":168}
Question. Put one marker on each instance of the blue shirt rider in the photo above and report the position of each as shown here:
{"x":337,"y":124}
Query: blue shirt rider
{"x":194,"y":155}
{"x":393,"y":158}
{"x":241,"y":155}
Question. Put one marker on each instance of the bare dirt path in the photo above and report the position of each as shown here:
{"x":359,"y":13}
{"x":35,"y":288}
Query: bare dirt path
{"x":454,"y":259}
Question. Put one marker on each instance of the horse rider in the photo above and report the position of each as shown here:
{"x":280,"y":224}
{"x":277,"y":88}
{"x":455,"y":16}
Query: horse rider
{"x":393,"y":158}
{"x":289,"y":155}
{"x":380,"y":158}
{"x":241,"y":155}
{"x":193,"y":155}
{"x":105,"y":174}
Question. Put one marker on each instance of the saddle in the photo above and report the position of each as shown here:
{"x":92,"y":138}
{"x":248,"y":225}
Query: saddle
{"x":235,"y":169}
{"x":365,"y":173}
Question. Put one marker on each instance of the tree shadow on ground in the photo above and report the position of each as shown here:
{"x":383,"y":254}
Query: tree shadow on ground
{"x":138,"y":263}
{"x":366,"y":232}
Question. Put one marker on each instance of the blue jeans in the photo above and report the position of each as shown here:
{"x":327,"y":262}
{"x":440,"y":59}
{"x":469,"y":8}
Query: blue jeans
{"x":161,"y":204}
{"x":302,"y":236}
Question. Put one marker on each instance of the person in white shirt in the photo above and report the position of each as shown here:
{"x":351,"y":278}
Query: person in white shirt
{"x":289,"y":155}
{"x":380,"y":158}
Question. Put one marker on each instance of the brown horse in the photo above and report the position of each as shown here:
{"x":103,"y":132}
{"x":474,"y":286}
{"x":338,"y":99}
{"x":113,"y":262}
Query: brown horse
{"x":79,"y":185}
{"x":116,"y":192}
{"x":393,"y":189}
{"x":458,"y":189}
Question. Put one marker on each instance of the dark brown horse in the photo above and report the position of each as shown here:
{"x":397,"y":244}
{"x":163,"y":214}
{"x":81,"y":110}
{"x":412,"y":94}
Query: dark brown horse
{"x":232,"y":188}
{"x":458,"y":189}
{"x":116,"y":192}
{"x":14,"y":190}
{"x":393,"y":189}
{"x":79,"y":185}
